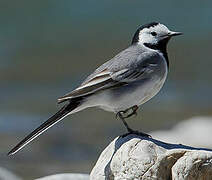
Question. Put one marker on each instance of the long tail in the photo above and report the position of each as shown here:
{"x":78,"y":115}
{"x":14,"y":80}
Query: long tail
{"x":64,"y":111}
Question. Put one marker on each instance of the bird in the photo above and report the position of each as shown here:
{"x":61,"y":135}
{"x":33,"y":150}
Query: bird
{"x":120,"y":85}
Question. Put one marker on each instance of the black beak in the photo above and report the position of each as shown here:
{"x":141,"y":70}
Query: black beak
{"x":172,"y":33}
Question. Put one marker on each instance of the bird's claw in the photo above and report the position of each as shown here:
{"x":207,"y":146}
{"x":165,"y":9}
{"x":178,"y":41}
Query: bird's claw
{"x":130,"y":131}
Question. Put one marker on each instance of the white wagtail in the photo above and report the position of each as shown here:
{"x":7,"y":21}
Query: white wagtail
{"x":121,"y":84}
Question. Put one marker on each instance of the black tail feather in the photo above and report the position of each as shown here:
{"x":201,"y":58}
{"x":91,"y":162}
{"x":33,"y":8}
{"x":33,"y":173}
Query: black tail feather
{"x":46,"y":125}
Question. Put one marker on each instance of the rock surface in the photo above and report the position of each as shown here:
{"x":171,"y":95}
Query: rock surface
{"x":134,"y":157}
{"x":66,"y":176}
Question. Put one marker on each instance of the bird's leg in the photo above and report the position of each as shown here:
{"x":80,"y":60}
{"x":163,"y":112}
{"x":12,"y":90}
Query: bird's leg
{"x":130,"y":131}
{"x":134,"y":111}
{"x":119,"y":114}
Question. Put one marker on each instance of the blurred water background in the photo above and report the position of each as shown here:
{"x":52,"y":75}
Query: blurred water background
{"x":48,"y":47}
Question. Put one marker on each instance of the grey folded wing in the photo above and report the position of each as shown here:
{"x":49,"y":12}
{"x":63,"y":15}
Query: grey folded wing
{"x":113,"y":76}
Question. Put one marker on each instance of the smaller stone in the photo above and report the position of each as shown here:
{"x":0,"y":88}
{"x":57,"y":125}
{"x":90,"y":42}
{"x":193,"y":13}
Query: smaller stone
{"x":7,"y":175}
{"x":66,"y":176}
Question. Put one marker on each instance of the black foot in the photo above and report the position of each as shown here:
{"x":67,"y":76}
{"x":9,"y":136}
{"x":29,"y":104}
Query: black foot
{"x":136,"y":133}
{"x":122,"y":116}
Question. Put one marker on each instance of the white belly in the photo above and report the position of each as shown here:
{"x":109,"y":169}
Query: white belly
{"x":120,"y":99}
{"x":135,"y":93}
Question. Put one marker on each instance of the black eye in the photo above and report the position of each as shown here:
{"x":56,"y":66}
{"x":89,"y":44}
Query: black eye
{"x":153,"y":33}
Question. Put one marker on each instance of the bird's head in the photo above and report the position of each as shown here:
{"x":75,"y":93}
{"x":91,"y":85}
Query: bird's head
{"x":153,"y":35}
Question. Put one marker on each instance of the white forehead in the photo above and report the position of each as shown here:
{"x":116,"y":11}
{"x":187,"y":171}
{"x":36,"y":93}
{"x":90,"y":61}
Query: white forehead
{"x":159,"y":28}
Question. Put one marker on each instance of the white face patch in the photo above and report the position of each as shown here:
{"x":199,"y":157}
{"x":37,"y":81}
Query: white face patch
{"x":153,"y":34}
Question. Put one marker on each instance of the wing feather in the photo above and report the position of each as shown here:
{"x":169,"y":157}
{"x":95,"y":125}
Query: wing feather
{"x":98,"y":82}
{"x":114,"y":76}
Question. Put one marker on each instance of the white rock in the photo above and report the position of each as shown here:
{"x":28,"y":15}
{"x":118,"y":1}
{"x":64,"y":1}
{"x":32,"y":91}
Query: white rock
{"x":134,"y":157}
{"x":7,"y":175}
{"x":193,"y":132}
{"x":66,"y":176}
